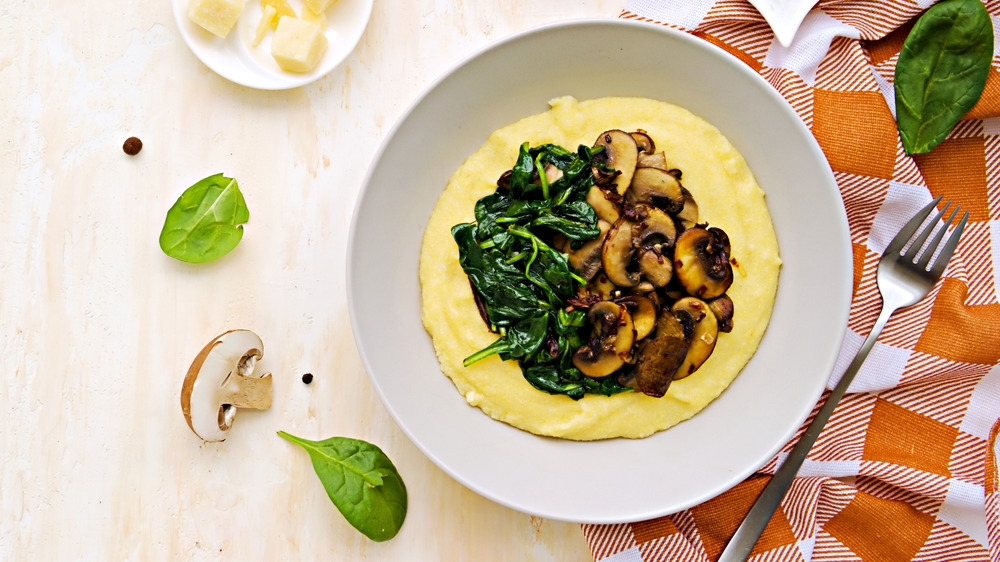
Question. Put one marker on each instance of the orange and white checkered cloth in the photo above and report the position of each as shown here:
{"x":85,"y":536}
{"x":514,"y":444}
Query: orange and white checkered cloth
{"x":906,"y":468}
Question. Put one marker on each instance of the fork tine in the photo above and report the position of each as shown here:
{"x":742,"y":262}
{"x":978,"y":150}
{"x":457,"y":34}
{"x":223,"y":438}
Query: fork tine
{"x":909,"y":228}
{"x":911,"y":254}
{"x":949,"y":248}
{"x":929,"y":252}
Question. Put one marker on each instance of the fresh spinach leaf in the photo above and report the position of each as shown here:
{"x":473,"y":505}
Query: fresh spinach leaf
{"x":941,"y":71}
{"x":522,"y":281}
{"x":206,"y":221}
{"x":571,"y":382}
{"x":576,"y":220}
{"x":521,"y":186}
{"x":361,"y":481}
{"x":547,"y":378}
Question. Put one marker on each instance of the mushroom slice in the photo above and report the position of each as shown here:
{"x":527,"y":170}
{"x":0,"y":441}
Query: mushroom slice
{"x":621,"y":153}
{"x":561,"y":242}
{"x":651,"y":233}
{"x":605,"y":209}
{"x":661,"y":357}
{"x":657,"y":235}
{"x":643,"y":142}
{"x":658,"y":160}
{"x":552,"y":174}
{"x":503,"y":182}
{"x":701,"y":329}
{"x":656,"y":226}
{"x":654,"y":297}
{"x":655,"y":186}
{"x":618,"y":253}
{"x":587,"y":258}
{"x":723,"y":309}
{"x":701,"y":262}
{"x":657,"y":269}
{"x":643,"y":313}
{"x":644,"y":287}
{"x":611,"y":344}
{"x":688,"y":215}
{"x":221,"y":380}
{"x":599,"y":286}
{"x":604,"y":177}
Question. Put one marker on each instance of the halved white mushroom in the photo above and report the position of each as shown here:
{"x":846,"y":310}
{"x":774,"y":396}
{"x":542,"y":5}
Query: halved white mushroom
{"x":587,"y":258}
{"x":605,"y":209}
{"x":657,"y":234}
{"x":688,"y":215}
{"x":724,"y":309}
{"x":611,"y":343}
{"x":701,"y":262}
{"x":656,"y":186}
{"x":621,"y":153}
{"x":701,"y":328}
{"x":599,"y":286}
{"x":643,"y":142}
{"x":655,"y":160}
{"x":618,"y":252}
{"x":643,"y":313}
{"x":220,"y":380}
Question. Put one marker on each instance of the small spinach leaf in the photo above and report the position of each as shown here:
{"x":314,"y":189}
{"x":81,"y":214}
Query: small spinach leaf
{"x":361,"y":481}
{"x":205,"y":222}
{"x":941,"y":71}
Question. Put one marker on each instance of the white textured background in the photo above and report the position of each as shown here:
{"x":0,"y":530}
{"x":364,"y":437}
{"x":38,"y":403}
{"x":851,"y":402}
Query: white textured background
{"x":98,"y":327}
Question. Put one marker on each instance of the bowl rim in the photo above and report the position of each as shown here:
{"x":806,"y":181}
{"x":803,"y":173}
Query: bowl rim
{"x":827,"y":364}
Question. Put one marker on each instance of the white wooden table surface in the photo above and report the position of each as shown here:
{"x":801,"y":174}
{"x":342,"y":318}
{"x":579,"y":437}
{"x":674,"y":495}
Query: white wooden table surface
{"x":98,"y":326}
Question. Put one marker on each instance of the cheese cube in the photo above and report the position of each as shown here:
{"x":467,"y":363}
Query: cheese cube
{"x":263,"y":24}
{"x":297,"y":45}
{"x":318,"y":6}
{"x":281,"y":7}
{"x":217,"y":16}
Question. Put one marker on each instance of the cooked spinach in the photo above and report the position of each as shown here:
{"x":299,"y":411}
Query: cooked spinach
{"x":361,"y":481}
{"x":206,"y":221}
{"x":522,"y":281}
{"x":941,"y":71}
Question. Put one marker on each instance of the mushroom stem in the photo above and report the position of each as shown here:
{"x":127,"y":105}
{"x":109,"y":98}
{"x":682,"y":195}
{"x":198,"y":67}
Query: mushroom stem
{"x":247,"y":392}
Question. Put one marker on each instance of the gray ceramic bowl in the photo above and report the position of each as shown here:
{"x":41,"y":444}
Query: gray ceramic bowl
{"x":694,"y":461}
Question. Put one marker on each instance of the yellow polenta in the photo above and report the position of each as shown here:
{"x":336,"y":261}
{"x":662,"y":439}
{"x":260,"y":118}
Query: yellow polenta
{"x":728,"y":197}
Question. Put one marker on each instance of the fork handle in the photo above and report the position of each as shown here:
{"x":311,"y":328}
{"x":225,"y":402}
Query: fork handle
{"x":749,"y":531}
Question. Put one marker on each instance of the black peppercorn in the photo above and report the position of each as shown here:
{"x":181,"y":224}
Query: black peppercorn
{"x":132,"y":146}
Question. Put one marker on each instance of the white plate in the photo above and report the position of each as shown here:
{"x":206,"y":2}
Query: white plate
{"x":235,"y":59}
{"x":784,"y":16}
{"x":600,"y":481}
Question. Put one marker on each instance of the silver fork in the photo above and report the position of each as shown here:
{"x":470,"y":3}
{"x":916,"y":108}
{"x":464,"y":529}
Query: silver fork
{"x":904,"y":278}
